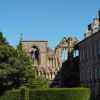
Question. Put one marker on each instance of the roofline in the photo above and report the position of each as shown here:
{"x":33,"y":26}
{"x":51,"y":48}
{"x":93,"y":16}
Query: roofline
{"x":33,"y":41}
{"x":89,"y":37}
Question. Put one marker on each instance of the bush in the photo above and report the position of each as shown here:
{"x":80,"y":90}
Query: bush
{"x":11,"y":95}
{"x":60,"y":94}
{"x":25,"y":92}
{"x":40,"y":82}
{"x":47,"y":94}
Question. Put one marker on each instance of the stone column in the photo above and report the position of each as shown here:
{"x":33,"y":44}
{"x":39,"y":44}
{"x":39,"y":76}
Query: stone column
{"x":55,"y":62}
{"x":52,"y":62}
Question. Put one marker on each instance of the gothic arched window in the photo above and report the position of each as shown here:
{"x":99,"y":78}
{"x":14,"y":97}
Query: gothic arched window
{"x":64,"y":54}
{"x":35,"y":55}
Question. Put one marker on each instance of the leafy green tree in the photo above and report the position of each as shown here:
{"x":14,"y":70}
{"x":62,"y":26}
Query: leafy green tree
{"x":15,"y":66}
{"x":36,"y":81}
{"x":19,"y":46}
{"x":6,"y":52}
{"x":25,"y":64}
{"x":2,"y":39}
{"x":40,"y":82}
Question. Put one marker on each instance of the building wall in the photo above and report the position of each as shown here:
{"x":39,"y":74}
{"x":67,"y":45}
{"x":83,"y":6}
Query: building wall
{"x":42,"y":47}
{"x":89,"y":50}
{"x":48,"y":62}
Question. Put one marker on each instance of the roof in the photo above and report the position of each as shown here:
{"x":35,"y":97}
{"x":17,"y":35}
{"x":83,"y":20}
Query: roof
{"x":89,"y":37}
{"x":34,"y":41}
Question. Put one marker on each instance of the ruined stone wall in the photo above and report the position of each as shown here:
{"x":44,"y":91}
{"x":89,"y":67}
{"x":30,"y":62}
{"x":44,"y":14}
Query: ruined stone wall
{"x":50,"y":61}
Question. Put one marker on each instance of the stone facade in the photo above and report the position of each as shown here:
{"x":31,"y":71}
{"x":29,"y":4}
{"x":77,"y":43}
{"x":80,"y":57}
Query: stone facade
{"x":89,"y":50}
{"x":37,"y":50}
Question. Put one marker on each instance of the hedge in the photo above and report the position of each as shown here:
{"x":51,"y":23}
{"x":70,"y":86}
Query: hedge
{"x":47,"y":94}
{"x":25,"y":92}
{"x":11,"y":95}
{"x":60,"y":94}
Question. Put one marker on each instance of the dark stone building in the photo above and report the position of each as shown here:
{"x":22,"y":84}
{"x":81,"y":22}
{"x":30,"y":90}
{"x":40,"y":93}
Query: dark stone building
{"x":89,"y":51}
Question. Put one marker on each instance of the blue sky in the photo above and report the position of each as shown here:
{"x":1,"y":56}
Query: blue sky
{"x":46,"y":19}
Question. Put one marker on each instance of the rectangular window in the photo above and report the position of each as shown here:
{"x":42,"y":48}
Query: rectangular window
{"x":99,"y":48}
{"x":85,"y":74}
{"x":83,"y":54}
{"x":99,"y":72}
{"x":80,"y":55}
{"x":87,"y":52}
{"x":92,"y":73}
{"x":91,"y":51}
{"x":95,"y":50}
{"x":95,"y":73}
{"x":88,"y":73}
{"x":80,"y":75}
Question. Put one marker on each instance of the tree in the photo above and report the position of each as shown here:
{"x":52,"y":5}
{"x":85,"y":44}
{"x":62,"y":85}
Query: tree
{"x":2,"y":40}
{"x":25,"y":70}
{"x":6,"y":53}
{"x":36,"y":81}
{"x":15,"y":66}
{"x":40,"y":82}
{"x":19,"y":46}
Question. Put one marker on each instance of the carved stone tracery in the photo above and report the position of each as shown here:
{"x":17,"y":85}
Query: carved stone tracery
{"x":54,"y":60}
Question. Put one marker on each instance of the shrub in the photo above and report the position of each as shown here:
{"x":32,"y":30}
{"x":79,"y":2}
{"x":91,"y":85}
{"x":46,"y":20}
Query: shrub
{"x":11,"y":95}
{"x":25,"y":92}
{"x":47,"y":94}
{"x":60,"y":94}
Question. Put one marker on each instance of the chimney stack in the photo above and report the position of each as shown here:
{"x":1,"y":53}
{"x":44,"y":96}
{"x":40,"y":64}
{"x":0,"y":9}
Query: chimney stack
{"x":99,"y":15}
{"x":89,"y":27}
